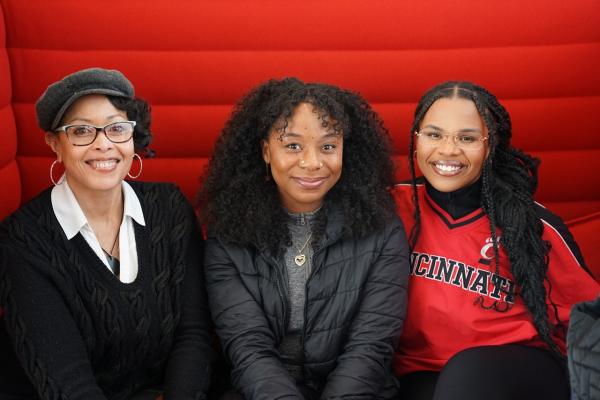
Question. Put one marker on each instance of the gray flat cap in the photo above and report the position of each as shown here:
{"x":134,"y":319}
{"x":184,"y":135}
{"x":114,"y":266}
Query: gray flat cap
{"x":60,"y":95}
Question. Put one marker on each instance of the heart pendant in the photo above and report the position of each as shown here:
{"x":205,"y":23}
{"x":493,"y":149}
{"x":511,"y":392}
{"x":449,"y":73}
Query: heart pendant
{"x":300,"y":260}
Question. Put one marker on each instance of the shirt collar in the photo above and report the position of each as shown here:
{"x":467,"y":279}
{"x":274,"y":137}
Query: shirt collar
{"x":70,"y":216}
{"x":66,"y":208}
{"x":132,"y":207}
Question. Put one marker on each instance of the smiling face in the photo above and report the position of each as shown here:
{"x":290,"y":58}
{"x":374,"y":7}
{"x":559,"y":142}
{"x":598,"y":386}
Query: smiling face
{"x":306,"y":162}
{"x":102,"y":165}
{"x":448,"y":168}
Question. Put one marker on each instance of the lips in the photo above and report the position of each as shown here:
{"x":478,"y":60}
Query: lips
{"x":310,"y":183}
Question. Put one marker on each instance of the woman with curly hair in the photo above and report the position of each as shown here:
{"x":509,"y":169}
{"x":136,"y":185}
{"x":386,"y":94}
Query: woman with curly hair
{"x":493,"y":274}
{"x":101,"y":279}
{"x":306,"y":262}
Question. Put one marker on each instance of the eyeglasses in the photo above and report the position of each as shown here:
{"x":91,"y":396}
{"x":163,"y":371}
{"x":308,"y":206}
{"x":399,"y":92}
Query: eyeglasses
{"x":463,"y":140}
{"x":84,"y":135}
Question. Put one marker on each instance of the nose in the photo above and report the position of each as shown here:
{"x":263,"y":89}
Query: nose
{"x":448,"y":146}
{"x":101,"y":141}
{"x":311,"y":160}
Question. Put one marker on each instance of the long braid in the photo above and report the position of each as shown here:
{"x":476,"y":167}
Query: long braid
{"x":509,"y":180}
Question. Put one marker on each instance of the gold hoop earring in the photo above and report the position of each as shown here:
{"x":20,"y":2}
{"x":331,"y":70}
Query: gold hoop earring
{"x":61,"y":179}
{"x":141,"y":166}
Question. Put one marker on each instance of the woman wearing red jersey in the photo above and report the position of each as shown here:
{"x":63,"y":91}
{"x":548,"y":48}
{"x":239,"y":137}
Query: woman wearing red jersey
{"x":493,"y":274}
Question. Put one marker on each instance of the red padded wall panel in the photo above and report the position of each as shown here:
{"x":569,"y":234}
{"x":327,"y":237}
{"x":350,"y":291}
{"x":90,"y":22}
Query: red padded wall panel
{"x":568,"y":175}
{"x":8,"y":148}
{"x":187,"y":131}
{"x":35,"y":175}
{"x":398,"y":118}
{"x":585,"y":231}
{"x":10,"y":182}
{"x":31,"y":138}
{"x":554,"y":123}
{"x":303,"y":25}
{"x":183,"y":171}
{"x":381,"y":76}
{"x":574,"y":210}
{"x":9,"y":173}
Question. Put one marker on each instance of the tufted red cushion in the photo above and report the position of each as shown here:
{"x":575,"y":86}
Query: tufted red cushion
{"x":10,"y":181}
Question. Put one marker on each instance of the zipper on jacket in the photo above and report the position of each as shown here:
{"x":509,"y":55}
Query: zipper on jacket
{"x":327,"y":244}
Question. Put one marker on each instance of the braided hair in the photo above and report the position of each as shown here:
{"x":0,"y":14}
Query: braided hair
{"x":240,"y":205}
{"x":509,"y":180}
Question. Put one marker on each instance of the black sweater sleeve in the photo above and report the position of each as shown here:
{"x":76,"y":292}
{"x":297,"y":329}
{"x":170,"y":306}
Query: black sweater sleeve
{"x":37,"y":315}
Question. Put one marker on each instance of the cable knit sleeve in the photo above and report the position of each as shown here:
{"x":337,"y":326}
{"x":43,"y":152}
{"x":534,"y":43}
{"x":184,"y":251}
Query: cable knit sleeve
{"x":37,"y":315}
{"x":363,"y":366}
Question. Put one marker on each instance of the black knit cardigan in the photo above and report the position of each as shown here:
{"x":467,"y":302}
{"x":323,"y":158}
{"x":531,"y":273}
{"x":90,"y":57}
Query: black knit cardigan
{"x":78,"y":332}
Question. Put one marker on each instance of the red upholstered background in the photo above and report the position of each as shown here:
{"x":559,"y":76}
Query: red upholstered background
{"x":193,"y":59}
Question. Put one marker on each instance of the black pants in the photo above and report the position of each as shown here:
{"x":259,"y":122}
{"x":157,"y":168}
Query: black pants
{"x":491,"y":373}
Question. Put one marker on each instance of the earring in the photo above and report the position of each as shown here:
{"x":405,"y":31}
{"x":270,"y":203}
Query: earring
{"x":267,"y":177}
{"x":61,"y":180}
{"x":415,"y":154}
{"x":141,"y":166}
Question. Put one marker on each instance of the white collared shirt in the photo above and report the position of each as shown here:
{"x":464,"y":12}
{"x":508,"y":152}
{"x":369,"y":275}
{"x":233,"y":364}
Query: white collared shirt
{"x":72,"y":220}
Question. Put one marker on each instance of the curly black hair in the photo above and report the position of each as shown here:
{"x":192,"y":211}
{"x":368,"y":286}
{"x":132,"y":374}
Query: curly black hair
{"x":509,"y":180}
{"x":139,"y":111}
{"x":239,"y":204}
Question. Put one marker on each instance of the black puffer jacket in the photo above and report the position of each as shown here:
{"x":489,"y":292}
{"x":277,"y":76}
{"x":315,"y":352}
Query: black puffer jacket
{"x":355,"y":307}
{"x":583,"y":347}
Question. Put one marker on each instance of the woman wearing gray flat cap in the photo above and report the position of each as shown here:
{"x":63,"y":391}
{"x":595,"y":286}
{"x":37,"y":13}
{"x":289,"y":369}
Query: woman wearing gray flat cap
{"x":101,"y":279}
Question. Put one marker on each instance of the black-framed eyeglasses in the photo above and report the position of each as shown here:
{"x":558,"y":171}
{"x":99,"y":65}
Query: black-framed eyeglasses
{"x":84,"y":135}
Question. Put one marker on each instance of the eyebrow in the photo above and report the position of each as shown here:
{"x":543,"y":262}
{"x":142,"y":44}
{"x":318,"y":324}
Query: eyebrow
{"x":297,"y":135}
{"x":437,"y":128}
{"x":89,"y":121}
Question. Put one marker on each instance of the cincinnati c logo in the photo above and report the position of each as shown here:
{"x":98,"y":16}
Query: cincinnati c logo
{"x":487,"y":251}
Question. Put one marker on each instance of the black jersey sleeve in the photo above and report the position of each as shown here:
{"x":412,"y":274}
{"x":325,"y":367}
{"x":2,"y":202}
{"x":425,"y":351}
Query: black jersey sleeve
{"x":557,"y":223}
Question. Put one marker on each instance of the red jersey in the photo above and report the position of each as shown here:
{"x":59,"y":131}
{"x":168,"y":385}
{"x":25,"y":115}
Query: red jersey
{"x":454,"y":295}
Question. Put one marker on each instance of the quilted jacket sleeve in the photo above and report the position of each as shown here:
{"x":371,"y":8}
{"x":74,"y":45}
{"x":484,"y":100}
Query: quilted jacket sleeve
{"x":363,"y":369}
{"x":247,"y":340}
{"x":583,"y":346}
